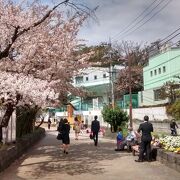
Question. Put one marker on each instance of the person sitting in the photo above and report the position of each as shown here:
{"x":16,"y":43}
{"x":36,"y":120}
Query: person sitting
{"x":130,"y":139}
{"x":119,"y":139}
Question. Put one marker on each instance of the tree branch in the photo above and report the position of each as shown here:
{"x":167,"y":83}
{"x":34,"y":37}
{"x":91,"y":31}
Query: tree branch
{"x":5,"y":52}
{"x":43,"y":18}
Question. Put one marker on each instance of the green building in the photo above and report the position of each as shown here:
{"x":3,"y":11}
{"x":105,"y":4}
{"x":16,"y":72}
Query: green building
{"x":161,"y":68}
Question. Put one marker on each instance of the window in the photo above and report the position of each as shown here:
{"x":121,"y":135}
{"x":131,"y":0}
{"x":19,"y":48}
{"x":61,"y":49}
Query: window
{"x":151,"y":73}
{"x":95,"y":77}
{"x":159,"y":70}
{"x":104,"y":75}
{"x":79,"y":80}
{"x":155,"y":72}
{"x":157,"y":95}
{"x":87,"y":78}
{"x":164,"y":69}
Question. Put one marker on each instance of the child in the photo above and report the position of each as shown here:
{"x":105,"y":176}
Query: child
{"x":119,"y":138}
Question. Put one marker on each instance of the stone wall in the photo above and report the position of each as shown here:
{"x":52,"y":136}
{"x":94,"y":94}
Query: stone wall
{"x":159,"y":126}
{"x":10,"y":153}
{"x":170,"y":159}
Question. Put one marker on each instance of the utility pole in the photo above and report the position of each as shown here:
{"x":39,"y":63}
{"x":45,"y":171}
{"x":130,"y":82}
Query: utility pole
{"x":111,"y":70}
{"x":112,"y":86}
{"x":130,"y":90}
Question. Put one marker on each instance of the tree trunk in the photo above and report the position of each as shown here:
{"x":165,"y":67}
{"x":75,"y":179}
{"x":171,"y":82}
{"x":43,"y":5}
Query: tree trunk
{"x":111,"y":128}
{"x":42,"y":121}
{"x":6,"y":118}
{"x":7,"y":115}
{"x":0,"y":134}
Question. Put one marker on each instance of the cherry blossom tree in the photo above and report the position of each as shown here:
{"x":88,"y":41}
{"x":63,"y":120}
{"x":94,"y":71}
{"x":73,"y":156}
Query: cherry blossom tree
{"x":38,"y":52}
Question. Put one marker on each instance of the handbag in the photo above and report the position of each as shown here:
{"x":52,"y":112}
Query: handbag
{"x":91,"y":136}
{"x":59,"y":136}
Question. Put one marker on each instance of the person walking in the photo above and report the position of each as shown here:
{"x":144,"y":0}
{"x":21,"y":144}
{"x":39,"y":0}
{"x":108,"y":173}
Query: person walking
{"x":59,"y":129}
{"x":49,"y":123}
{"x":95,"y":127}
{"x":145,"y":128}
{"x":65,"y":136}
{"x":173,"y":127}
{"x":76,"y":128}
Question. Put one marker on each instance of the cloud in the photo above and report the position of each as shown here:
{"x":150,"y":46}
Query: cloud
{"x":114,"y":15}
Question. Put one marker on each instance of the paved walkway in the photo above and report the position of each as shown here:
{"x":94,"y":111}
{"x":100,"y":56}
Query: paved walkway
{"x":84,"y":162}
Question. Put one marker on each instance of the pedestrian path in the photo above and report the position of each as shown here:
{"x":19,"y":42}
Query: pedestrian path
{"x":84,"y":162}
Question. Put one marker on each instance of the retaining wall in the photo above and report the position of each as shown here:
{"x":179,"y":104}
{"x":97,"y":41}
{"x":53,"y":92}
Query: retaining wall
{"x":170,"y":159}
{"x":10,"y":153}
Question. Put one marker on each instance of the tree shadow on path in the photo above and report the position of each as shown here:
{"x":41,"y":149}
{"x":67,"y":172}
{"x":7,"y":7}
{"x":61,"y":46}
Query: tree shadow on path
{"x":83,"y":157}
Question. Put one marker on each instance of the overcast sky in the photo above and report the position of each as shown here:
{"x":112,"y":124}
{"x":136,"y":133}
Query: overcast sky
{"x":115,"y":15}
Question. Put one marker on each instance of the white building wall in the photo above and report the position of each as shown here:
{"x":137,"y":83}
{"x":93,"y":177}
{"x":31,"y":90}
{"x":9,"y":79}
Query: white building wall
{"x":90,"y":73}
{"x":146,"y":98}
{"x":154,"y":113}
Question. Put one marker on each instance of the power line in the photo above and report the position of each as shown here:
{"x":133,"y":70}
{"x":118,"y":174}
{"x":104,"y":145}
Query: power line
{"x":153,"y":49}
{"x":169,"y":39}
{"x":141,"y":20}
{"x":172,"y":38}
{"x":134,"y":20}
{"x":163,"y":7}
{"x":170,"y":34}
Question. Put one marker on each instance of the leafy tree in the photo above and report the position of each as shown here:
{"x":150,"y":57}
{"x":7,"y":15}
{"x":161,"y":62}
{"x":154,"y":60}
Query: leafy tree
{"x":174,"y":110}
{"x":171,"y":91}
{"x":115,"y":117}
{"x":103,"y":55}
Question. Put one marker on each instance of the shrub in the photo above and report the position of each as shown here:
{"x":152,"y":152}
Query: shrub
{"x":115,"y":117}
{"x":174,"y":110}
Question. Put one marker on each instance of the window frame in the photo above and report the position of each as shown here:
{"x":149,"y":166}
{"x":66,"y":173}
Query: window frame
{"x":164,"y":69}
{"x":159,"y":70}
{"x":155,"y":72}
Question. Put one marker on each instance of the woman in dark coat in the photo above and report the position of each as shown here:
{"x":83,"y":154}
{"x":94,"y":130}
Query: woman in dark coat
{"x":60,"y":125}
{"x":59,"y":129}
{"x":65,"y":136}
